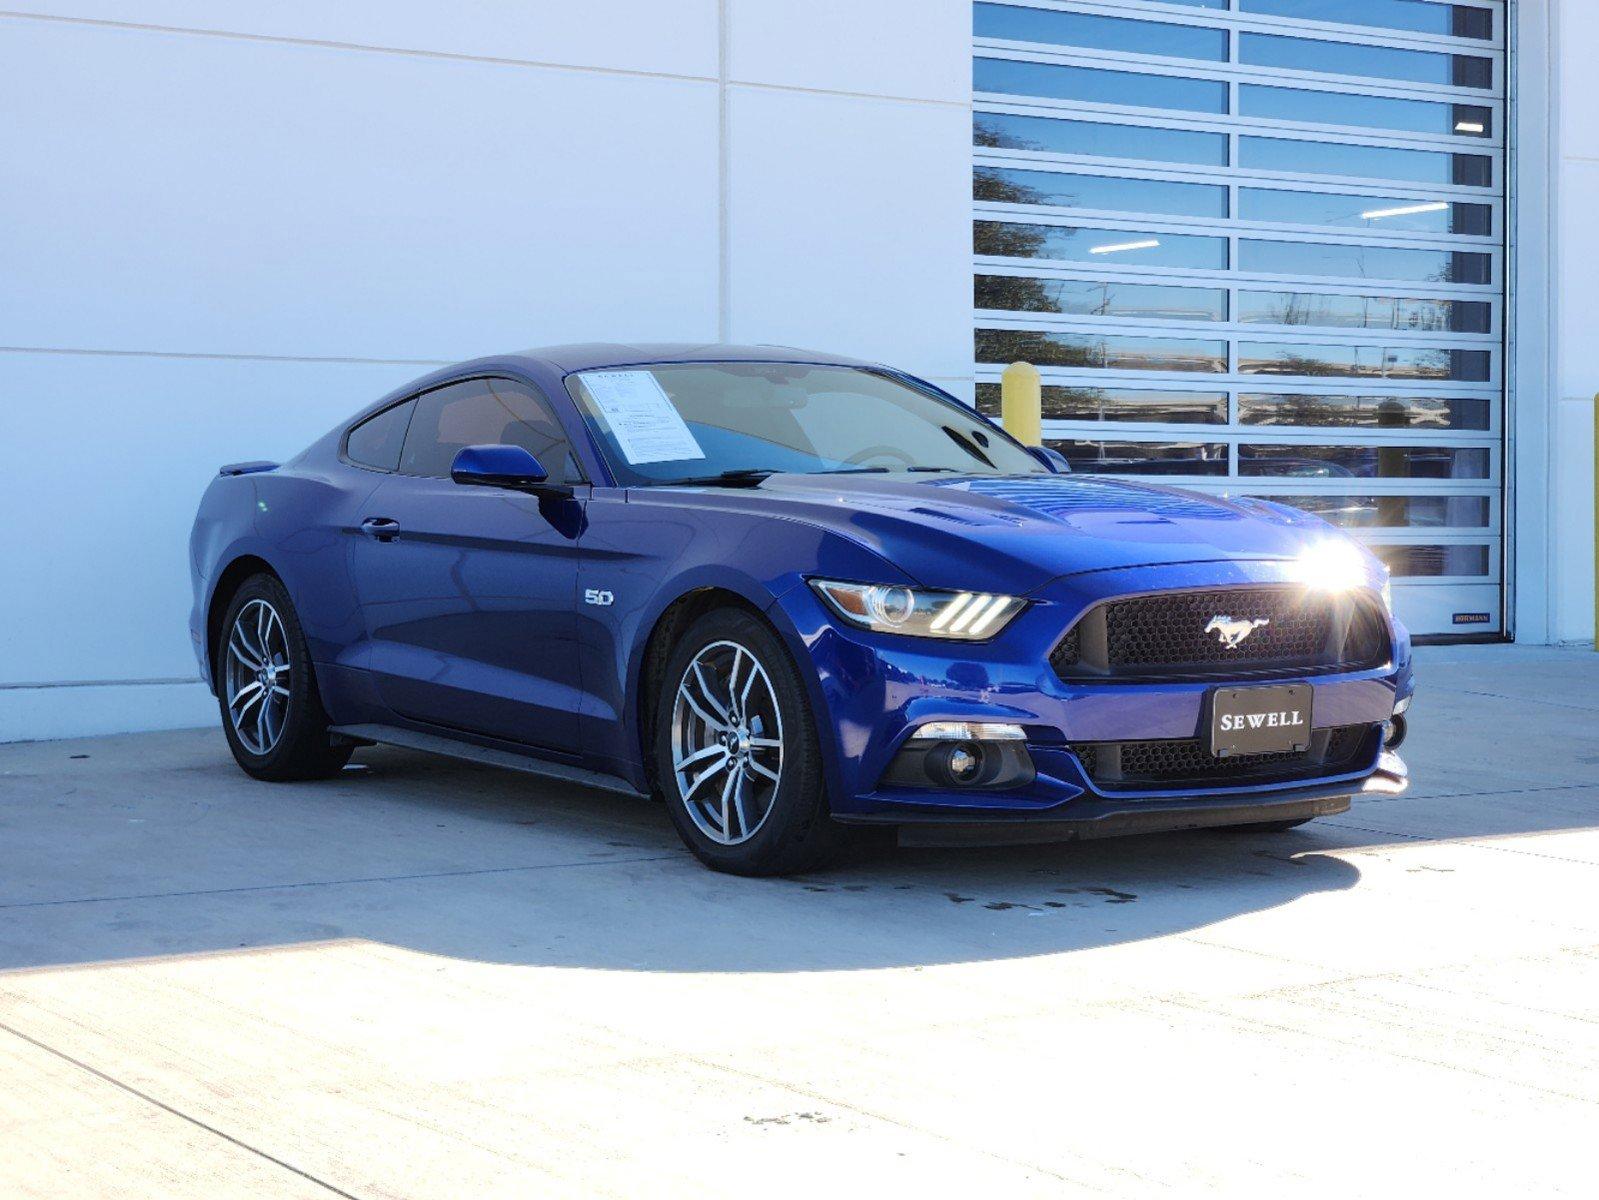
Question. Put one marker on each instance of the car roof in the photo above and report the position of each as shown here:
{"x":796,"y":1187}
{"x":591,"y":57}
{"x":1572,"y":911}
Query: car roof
{"x":549,"y":364}
{"x":589,"y":356}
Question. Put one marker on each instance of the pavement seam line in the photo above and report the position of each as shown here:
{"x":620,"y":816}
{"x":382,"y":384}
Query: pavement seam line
{"x":1317,"y":1034}
{"x":179,"y":1113}
{"x":315,"y":883}
{"x":1401,"y":975}
{"x":1469,"y":840}
{"x":1527,"y":700}
{"x":1527,"y":791}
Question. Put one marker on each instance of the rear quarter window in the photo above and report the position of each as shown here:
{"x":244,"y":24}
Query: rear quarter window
{"x":376,"y":442}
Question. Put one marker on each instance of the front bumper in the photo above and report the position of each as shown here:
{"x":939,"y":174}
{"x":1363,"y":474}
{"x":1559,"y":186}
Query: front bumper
{"x":1102,"y":817}
{"x":872,"y":691}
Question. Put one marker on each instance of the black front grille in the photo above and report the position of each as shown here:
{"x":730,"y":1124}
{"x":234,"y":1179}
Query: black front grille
{"x":1187,"y":762}
{"x":1224,"y":632}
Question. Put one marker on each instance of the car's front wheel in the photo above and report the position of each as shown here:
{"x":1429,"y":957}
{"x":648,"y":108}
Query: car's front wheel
{"x":736,"y":752}
{"x":271,"y":711}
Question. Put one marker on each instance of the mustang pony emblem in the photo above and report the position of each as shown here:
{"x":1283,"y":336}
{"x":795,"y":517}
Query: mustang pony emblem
{"x":1231,"y":631}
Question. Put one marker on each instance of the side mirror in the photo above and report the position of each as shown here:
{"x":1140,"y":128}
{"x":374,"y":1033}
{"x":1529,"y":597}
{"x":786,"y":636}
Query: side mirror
{"x":1053,"y":459}
{"x":508,"y":467}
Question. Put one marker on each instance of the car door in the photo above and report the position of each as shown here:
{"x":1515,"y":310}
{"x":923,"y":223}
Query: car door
{"x":467,"y":593}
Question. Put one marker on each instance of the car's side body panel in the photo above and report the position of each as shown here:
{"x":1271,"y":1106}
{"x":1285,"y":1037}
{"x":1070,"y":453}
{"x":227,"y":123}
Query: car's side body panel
{"x":469,"y":609}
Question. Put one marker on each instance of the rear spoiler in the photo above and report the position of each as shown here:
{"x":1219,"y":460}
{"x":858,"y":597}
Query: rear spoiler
{"x":247,"y":468}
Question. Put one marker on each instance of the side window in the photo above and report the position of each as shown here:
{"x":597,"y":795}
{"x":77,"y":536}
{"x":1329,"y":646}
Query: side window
{"x":485,"y":412}
{"x":376,"y":441}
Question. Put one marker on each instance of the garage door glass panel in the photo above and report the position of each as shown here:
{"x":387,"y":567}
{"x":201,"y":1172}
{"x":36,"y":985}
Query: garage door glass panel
{"x":1365,"y":462}
{"x":1415,"y":16}
{"x":1313,"y":157}
{"x":1422,"y":561}
{"x":1106,"y":193}
{"x":1138,"y":143}
{"x":1321,"y":410}
{"x":1100,"y":298}
{"x":1397,"y":512}
{"x":1378,"y":62}
{"x":1359,"y":261}
{"x":1387,"y":362}
{"x":1364,"y":312}
{"x":1119,"y":404}
{"x":1375,"y":112}
{"x":1094,"y":32}
{"x":1095,"y":353}
{"x":1381,"y":214}
{"x":1143,"y":458}
{"x":1123,"y":247}
{"x":1092,"y":86}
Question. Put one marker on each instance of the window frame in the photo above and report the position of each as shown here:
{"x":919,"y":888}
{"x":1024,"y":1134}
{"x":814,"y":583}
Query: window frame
{"x":532,"y":389}
{"x":344,"y":439}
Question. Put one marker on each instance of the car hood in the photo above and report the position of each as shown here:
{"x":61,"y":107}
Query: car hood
{"x":1016,"y":533}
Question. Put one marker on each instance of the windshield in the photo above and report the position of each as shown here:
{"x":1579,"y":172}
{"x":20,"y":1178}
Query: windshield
{"x":701,"y":421}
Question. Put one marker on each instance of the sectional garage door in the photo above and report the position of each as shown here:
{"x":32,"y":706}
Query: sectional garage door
{"x":1257,"y":246}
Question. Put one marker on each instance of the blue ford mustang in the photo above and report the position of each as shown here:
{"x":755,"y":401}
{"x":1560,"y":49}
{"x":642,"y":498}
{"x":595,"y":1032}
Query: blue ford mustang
{"x":788,"y":593}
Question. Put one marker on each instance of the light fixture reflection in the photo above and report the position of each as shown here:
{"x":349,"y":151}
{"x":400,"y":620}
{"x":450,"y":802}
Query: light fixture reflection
{"x":1118,"y":247}
{"x":1468,"y":127}
{"x":1404,"y":210}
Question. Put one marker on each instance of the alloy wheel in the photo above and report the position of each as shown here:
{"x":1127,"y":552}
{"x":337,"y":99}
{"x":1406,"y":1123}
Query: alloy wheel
{"x":727,"y":743}
{"x":257,"y":677}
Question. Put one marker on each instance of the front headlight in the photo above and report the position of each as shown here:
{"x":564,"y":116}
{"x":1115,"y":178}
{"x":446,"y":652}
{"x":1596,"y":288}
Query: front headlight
{"x":890,"y":608}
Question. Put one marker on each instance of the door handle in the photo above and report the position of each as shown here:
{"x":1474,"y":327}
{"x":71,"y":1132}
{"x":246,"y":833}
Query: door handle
{"x":381,"y":528}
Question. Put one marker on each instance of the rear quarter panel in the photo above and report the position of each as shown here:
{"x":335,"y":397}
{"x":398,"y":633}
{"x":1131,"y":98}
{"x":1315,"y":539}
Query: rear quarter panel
{"x":299,"y":520}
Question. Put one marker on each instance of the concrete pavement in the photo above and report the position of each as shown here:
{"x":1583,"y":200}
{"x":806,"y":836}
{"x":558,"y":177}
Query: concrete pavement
{"x":426,"y":979}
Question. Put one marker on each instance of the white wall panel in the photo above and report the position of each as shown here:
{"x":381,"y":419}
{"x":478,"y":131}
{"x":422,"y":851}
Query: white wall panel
{"x":198,"y":194}
{"x":912,"y":48}
{"x":1572,"y":520}
{"x":34,"y":714}
{"x":679,"y":37}
{"x":850,"y":227}
{"x":1577,"y":250}
{"x":102,"y":462}
{"x":1577,"y":34}
{"x":1570,"y":484}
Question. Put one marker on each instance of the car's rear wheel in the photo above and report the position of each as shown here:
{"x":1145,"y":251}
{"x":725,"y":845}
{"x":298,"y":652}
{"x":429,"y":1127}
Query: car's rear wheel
{"x":736,"y":751}
{"x":266,"y":689}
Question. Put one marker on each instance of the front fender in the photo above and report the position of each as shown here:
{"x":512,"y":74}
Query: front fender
{"x":640,"y":559}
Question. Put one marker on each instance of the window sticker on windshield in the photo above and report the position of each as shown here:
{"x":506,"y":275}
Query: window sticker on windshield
{"x":646,"y":425}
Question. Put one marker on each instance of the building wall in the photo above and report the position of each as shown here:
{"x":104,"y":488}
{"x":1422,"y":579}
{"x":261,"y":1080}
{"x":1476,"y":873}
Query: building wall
{"x":1576,"y":243}
{"x":229,"y":225}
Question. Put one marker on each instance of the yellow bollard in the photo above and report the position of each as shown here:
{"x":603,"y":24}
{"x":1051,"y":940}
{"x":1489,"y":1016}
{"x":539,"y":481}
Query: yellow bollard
{"x":1021,"y":403}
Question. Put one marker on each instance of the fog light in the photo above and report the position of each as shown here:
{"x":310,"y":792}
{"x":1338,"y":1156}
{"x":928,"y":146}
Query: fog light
{"x":1402,"y":705}
{"x":1393,"y":732}
{"x":956,"y":763}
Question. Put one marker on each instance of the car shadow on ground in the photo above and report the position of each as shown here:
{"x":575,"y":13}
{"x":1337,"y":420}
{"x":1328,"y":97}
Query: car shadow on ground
{"x":157,"y":845}
{"x":470,"y":862}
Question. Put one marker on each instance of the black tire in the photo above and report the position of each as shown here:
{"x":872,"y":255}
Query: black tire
{"x":797,"y":832}
{"x":301,"y":748}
